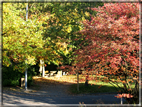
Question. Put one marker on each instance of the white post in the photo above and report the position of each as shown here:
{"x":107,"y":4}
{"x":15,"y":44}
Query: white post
{"x":121,"y":101}
{"x":26,"y":78}
{"x":26,"y":59}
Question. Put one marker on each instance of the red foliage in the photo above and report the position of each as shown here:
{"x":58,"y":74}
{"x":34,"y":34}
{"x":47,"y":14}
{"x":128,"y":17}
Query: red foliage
{"x":113,"y":38}
{"x":113,"y":43}
{"x":124,"y":95}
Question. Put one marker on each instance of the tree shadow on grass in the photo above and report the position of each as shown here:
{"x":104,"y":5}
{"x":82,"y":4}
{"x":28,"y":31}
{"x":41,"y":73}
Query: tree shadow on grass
{"x":92,"y":89}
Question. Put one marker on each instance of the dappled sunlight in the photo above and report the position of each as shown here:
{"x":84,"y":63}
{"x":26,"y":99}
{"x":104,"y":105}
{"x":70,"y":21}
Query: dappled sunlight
{"x":94,"y":86}
{"x":67,"y":79}
{"x":55,"y":80}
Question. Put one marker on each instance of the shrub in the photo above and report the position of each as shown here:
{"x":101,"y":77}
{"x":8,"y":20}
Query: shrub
{"x":11,"y":77}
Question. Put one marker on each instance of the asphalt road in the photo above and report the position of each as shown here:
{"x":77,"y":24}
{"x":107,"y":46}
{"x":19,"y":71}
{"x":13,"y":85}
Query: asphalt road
{"x":14,"y":99}
{"x":55,"y":95}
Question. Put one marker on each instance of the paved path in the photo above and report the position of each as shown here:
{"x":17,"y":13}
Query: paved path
{"x":47,"y":100}
{"x":55,"y":94}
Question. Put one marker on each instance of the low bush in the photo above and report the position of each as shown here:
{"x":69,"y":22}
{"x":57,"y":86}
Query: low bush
{"x":11,"y":77}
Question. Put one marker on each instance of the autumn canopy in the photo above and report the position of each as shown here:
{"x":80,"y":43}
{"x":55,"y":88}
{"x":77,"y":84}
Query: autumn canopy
{"x":111,"y":46}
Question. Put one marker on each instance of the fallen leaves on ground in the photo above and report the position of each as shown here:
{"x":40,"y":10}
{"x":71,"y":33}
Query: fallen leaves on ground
{"x":54,"y":80}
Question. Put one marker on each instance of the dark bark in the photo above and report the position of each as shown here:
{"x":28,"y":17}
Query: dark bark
{"x":86,"y":82}
{"x":77,"y":81}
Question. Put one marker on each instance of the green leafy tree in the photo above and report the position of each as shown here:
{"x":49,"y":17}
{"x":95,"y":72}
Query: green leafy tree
{"x":64,"y":24}
{"x":48,"y":33}
{"x":23,"y":39}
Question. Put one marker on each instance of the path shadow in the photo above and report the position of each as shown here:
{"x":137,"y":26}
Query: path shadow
{"x":58,"y":84}
{"x":44,"y":96}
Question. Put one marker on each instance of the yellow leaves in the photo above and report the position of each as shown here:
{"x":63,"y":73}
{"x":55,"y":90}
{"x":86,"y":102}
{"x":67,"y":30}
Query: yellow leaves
{"x":52,"y":15}
{"x":30,"y":60}
{"x":113,"y":80}
{"x":69,"y":29}
{"x":39,"y":45}
{"x":6,"y":63}
{"x":58,"y":43}
{"x":83,"y":18}
{"x":80,"y":28}
{"x":74,"y":13}
{"x":87,"y":14}
{"x":6,"y":7}
{"x":54,"y":52}
{"x":66,"y":52}
{"x":67,"y":18}
{"x":76,"y":10}
{"x":53,"y":41}
{"x":68,"y":4}
{"x":64,"y":45}
{"x":123,"y":68}
{"x":46,"y":17}
{"x":57,"y":62}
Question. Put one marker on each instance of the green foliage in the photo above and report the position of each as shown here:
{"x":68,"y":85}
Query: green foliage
{"x":56,"y":22}
{"x":48,"y":33}
{"x":64,"y":24}
{"x":24,"y":39}
{"x":10,"y":77}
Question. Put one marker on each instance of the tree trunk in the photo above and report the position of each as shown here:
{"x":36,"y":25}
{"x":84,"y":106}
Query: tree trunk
{"x":77,"y":81}
{"x":42,"y":67}
{"x":43,"y":71}
{"x":86,"y":82}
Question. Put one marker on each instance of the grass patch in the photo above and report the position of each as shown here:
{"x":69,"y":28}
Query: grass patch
{"x":96,"y":86}
{"x":91,"y":89}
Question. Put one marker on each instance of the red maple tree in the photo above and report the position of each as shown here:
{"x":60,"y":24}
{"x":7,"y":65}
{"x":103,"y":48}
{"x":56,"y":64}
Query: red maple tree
{"x":112,"y":49}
